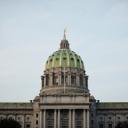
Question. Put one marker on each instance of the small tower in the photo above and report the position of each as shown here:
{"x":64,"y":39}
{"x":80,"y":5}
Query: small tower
{"x":64,"y":42}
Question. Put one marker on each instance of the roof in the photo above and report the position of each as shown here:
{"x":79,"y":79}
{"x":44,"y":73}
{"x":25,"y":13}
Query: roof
{"x":64,"y":58}
{"x":16,"y":105}
{"x":112,"y":105}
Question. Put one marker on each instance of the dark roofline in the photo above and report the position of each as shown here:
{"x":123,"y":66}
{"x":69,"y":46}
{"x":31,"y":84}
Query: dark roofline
{"x":16,"y":105}
{"x":111,"y":105}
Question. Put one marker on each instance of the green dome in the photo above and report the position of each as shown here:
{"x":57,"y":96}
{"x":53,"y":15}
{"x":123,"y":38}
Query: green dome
{"x":64,"y":58}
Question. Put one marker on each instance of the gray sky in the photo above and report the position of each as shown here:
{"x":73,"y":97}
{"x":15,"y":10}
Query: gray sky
{"x":31,"y":30}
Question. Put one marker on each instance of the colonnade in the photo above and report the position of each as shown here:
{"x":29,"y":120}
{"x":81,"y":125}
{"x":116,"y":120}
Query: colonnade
{"x":67,"y":78}
{"x":71,"y":118}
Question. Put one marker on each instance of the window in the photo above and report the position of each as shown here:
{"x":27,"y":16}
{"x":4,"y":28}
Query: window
{"x":36,"y":121}
{"x":101,"y":125}
{"x":72,"y":59}
{"x":79,"y":118}
{"x":109,"y":125}
{"x":118,"y":117}
{"x":64,"y":117}
{"x":81,"y":80}
{"x":109,"y":118}
{"x":49,"y":119}
{"x":64,"y":58}
{"x":47,"y":79}
{"x":28,"y":118}
{"x":10,"y":118}
{"x":73,"y":80}
{"x":36,"y":115}
{"x":55,"y":79}
{"x":19,"y":118}
{"x":28,"y":126}
{"x":91,"y":122}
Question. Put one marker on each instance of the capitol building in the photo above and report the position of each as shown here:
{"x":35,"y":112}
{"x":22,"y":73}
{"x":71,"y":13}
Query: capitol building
{"x":64,"y":100}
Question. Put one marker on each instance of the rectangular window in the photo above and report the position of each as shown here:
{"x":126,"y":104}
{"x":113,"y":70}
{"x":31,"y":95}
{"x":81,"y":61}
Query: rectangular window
{"x":73,"y":80}
{"x":50,"y":119}
{"x":36,"y":115}
{"x":109,"y":125}
{"x":28,"y":126}
{"x":101,"y":125}
{"x":78,"y":119}
{"x":36,"y":121}
{"x":81,"y":80}
{"x":64,"y":119}
{"x":47,"y":79}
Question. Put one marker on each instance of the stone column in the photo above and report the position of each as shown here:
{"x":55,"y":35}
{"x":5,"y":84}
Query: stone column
{"x":69,"y":79}
{"x":51,"y":79}
{"x":87,"y":82}
{"x":23,"y":121}
{"x":88,"y":121}
{"x":60,"y":79}
{"x":58,"y":118}
{"x":77,"y":80}
{"x":42,"y":81}
{"x":84,"y":118}
{"x":55,"y":118}
{"x":44,"y":118}
{"x":84,"y":81}
{"x":73,"y":118}
{"x":70,"y":118}
{"x":114,"y":120}
{"x":41,"y":119}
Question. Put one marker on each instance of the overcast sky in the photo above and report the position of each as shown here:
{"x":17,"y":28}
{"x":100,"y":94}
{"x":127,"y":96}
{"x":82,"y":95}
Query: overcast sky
{"x":31,"y":30}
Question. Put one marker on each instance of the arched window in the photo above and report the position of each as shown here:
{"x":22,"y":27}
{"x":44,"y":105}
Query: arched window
{"x":42,"y":79}
{"x":64,"y":78}
{"x":81,"y":80}
{"x":73,"y":79}
{"x":47,"y":79}
{"x":56,"y":80}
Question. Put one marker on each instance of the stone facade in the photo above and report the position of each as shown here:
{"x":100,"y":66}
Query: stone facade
{"x":109,"y":114}
{"x":64,"y":100}
{"x":21,"y":112}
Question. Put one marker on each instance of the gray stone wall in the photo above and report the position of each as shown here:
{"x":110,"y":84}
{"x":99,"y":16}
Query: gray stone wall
{"x":109,"y":114}
{"x":21,"y":112}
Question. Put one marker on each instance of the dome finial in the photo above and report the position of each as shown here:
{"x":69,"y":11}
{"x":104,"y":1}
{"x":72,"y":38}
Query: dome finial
{"x":64,"y":38}
{"x":64,"y":42}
